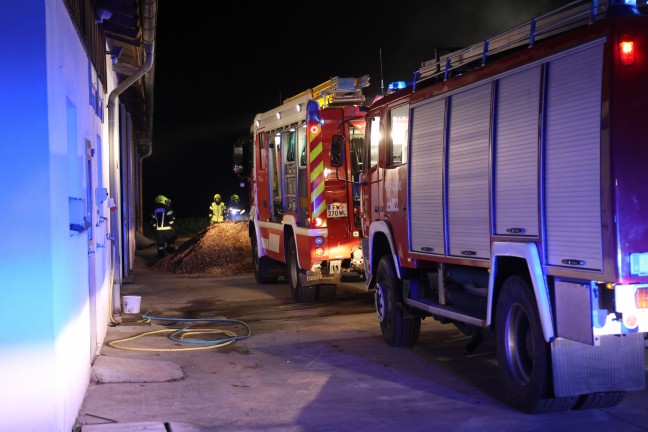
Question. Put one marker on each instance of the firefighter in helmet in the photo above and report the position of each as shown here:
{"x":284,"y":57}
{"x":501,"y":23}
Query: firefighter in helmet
{"x":163,"y":219}
{"x":234,"y":199}
{"x":235,"y":212}
{"x":216,"y":210}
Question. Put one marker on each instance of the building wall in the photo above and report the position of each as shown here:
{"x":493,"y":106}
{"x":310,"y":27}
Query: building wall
{"x":55,"y":283}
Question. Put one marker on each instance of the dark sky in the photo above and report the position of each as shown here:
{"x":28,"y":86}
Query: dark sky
{"x":215,"y":71}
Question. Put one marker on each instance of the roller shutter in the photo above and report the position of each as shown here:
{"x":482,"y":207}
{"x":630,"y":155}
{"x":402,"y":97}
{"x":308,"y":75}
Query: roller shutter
{"x":517,"y":155}
{"x":468,"y":173}
{"x":572,"y":168}
{"x":426,"y":178}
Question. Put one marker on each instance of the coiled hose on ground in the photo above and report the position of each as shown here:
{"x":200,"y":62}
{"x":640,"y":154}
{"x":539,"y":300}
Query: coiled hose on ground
{"x":179,"y":334}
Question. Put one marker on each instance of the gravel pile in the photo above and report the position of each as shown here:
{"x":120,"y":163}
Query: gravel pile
{"x":221,"y":250}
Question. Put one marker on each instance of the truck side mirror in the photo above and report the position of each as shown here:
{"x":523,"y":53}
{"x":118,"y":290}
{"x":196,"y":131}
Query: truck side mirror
{"x":337,"y":150}
{"x":238,"y":153}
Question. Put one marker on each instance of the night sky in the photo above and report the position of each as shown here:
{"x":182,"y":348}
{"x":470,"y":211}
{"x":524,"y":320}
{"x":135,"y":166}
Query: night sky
{"x":215,"y":71}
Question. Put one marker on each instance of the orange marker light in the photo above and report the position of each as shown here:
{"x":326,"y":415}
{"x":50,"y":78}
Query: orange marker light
{"x":641,"y":298}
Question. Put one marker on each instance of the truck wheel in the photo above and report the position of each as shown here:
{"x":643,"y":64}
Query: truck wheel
{"x":326,"y":291}
{"x":523,"y":356}
{"x":397,"y":329}
{"x":261,"y":265}
{"x":300,"y":293}
{"x":599,"y":400}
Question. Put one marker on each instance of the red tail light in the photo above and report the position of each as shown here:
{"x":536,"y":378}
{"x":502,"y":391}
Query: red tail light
{"x":626,"y":51}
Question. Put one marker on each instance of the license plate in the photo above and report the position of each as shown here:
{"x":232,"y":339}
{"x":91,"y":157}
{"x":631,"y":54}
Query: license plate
{"x":336,"y":210}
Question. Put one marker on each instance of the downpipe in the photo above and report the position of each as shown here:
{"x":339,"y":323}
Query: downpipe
{"x":115,"y":177}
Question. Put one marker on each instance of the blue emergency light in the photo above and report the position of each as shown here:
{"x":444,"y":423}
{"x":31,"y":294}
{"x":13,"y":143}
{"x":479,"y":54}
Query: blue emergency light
{"x":396,"y":85}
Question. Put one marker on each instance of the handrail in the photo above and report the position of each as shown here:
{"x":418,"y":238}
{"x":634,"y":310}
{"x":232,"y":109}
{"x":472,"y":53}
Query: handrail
{"x":572,"y":15}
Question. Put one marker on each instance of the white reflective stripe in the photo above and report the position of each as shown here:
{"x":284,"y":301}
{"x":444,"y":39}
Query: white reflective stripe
{"x":163,"y":228}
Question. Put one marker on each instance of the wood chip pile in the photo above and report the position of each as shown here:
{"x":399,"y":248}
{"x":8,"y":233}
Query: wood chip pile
{"x":221,"y":250}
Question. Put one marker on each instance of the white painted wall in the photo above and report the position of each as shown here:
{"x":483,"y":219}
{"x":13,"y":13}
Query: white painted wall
{"x":54,"y":317}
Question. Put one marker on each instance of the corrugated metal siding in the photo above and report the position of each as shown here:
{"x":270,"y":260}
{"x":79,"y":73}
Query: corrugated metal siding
{"x":516,"y":153}
{"x":572,"y":170}
{"x":426,"y":181}
{"x":468,"y":173}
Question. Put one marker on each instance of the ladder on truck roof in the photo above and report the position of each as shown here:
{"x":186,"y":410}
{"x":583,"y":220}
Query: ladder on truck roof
{"x":572,"y":15}
{"x":336,"y":91}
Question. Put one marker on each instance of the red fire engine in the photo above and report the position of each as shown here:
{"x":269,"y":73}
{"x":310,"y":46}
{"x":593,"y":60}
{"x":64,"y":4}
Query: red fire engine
{"x":304,"y":220}
{"x":504,"y":191}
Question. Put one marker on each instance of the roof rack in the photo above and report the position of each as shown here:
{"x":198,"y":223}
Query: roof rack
{"x":572,"y":15}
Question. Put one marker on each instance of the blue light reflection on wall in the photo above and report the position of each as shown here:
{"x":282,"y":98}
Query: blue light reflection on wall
{"x":25,"y":247}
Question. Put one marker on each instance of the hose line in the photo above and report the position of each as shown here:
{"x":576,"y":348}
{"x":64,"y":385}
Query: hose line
{"x":179,"y":334}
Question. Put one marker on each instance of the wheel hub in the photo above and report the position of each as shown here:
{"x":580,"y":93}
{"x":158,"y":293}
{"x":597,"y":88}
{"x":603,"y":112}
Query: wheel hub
{"x":379,"y":302}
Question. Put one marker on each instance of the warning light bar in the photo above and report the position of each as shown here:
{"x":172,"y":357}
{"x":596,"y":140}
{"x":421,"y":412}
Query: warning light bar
{"x":396,"y":85}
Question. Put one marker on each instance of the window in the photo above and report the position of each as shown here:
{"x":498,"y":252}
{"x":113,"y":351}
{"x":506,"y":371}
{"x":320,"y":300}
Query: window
{"x":262,"y":160}
{"x":374,"y":140}
{"x":399,"y":124}
{"x":356,"y":142}
{"x":289,"y":139}
{"x":301,"y":145}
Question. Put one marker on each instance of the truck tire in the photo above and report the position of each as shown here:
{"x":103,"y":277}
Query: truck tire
{"x":523,"y":356}
{"x":326,"y":291}
{"x":260,"y":265}
{"x":300,"y":293}
{"x":599,"y":400}
{"x":397,"y":328}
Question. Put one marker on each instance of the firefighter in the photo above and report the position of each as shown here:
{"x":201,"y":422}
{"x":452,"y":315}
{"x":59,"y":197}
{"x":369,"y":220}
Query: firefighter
{"x":216,"y":210}
{"x":235,"y":211}
{"x":163,"y":219}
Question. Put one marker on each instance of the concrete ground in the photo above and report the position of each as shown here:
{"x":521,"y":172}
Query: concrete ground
{"x":259,"y":362}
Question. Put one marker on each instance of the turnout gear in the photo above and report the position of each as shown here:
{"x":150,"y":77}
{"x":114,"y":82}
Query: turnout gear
{"x":216,"y":210}
{"x":163,"y":219}
{"x":235,"y":212}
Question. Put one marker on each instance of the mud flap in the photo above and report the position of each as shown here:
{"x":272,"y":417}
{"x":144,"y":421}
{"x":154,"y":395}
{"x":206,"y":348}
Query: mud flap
{"x":616,"y":365}
{"x":309,"y":278}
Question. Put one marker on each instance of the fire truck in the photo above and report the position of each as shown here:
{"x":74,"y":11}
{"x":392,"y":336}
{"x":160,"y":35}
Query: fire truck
{"x":305,"y":216}
{"x":504,"y":190}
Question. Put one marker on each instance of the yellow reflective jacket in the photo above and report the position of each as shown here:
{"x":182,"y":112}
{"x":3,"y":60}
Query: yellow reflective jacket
{"x":216,"y":212}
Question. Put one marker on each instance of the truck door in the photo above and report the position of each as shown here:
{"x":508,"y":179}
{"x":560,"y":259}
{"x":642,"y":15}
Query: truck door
{"x":261,"y":187}
{"x":356,"y":144}
{"x":274,"y":177}
{"x":396,"y":165}
{"x":372,"y":207}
